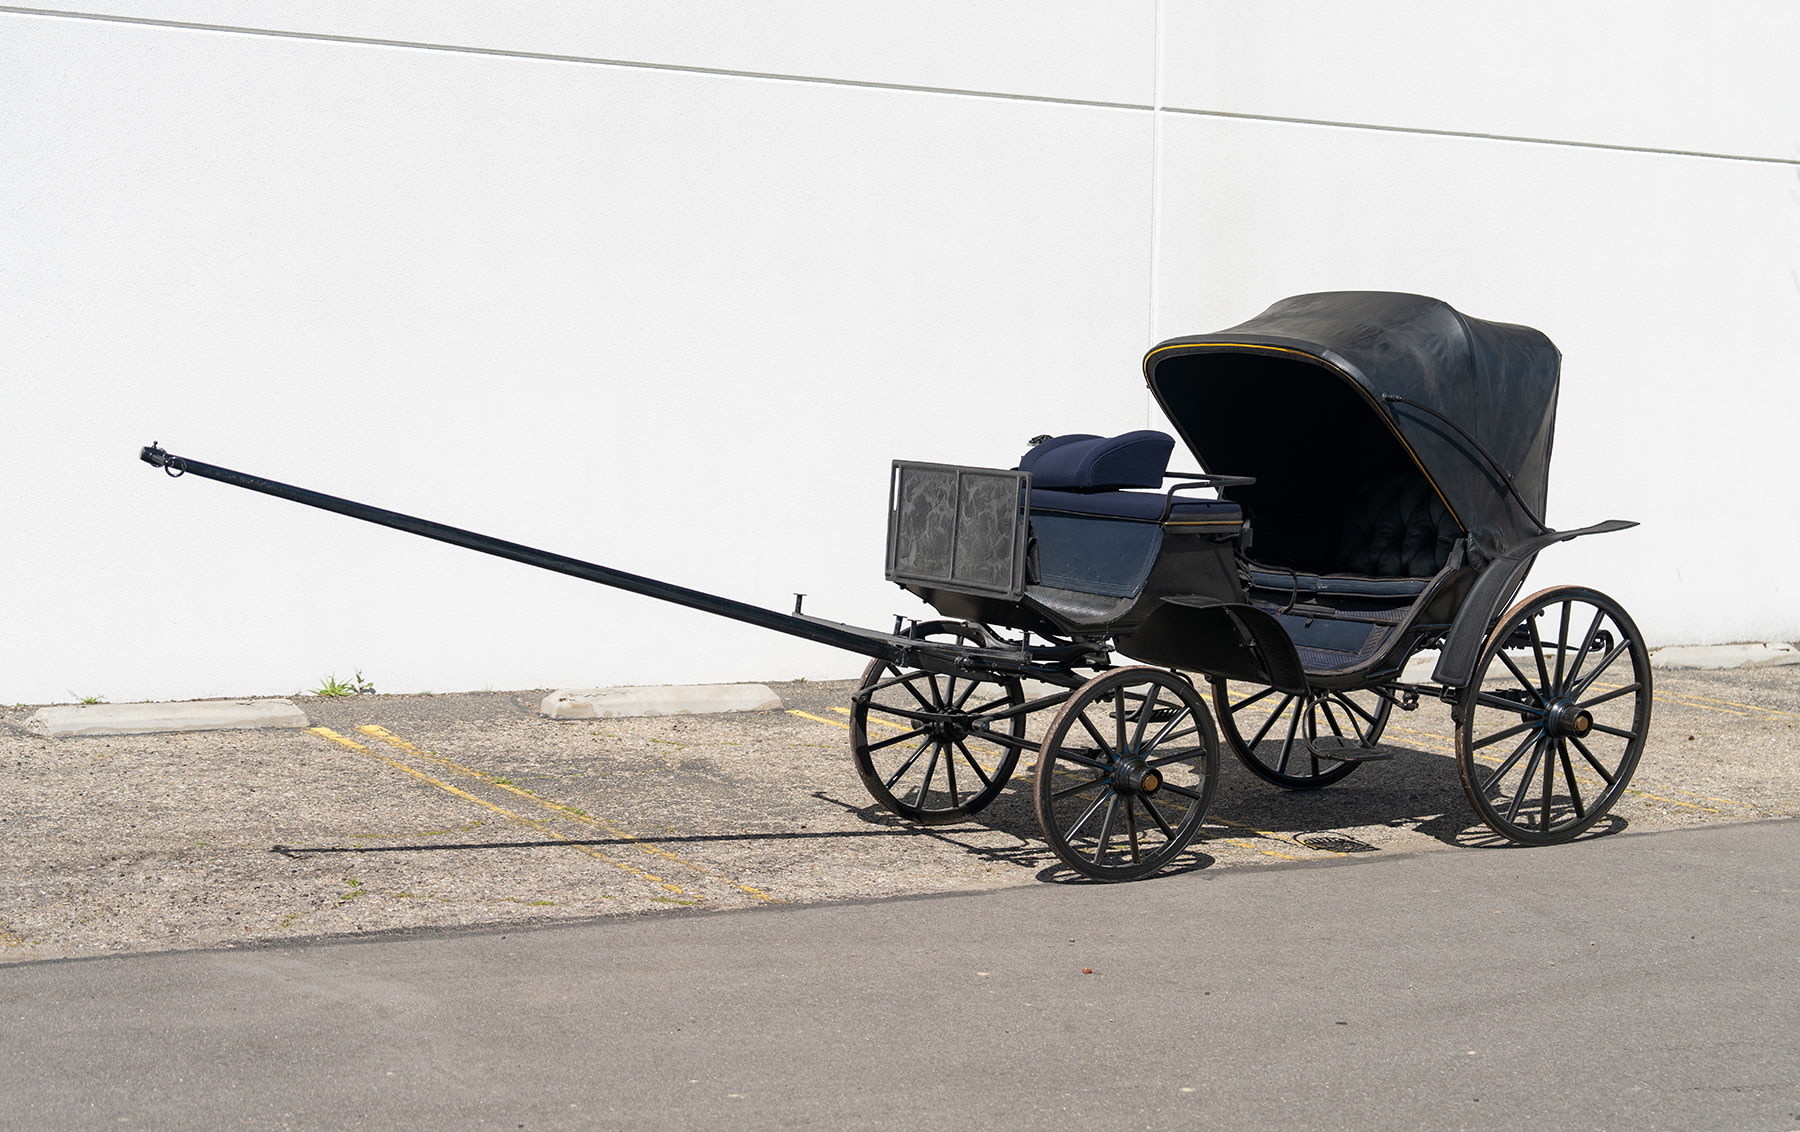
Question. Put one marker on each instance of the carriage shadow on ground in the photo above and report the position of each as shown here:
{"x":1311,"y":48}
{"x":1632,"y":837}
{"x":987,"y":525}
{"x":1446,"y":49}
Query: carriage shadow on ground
{"x":1410,"y":802}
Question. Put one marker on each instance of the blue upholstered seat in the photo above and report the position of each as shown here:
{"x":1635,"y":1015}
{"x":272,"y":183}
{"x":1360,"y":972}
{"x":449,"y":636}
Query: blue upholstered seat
{"x":1080,"y":462}
{"x":1337,"y":585}
{"x":1142,"y":506}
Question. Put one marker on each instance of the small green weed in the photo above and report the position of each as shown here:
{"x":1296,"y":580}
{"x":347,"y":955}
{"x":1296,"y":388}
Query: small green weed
{"x":79,"y":698}
{"x":332,"y":686}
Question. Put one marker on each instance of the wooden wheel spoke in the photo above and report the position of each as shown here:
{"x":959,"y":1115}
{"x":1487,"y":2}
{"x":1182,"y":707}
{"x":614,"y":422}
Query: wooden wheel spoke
{"x":930,"y":773}
{"x":1489,"y":740}
{"x":1248,"y":700}
{"x":1526,"y":779}
{"x":1079,"y":787}
{"x":1524,"y":680}
{"x":1330,"y":719}
{"x":1287,"y":745}
{"x":1178,"y":757}
{"x":913,"y":734}
{"x":1537,"y":650}
{"x":930,"y":715}
{"x":1568,"y":768}
{"x":1549,"y":782}
{"x":907,"y":765}
{"x":1270,"y":722}
{"x":1612,"y":695}
{"x":1100,"y":765}
{"x":1600,"y":669}
{"x":973,"y":765}
{"x":1587,"y":643}
{"x":1609,"y":730}
{"x":1106,"y":825}
{"x":1562,"y":654}
{"x":1599,"y":769}
{"x":1156,"y":816}
{"x":1144,"y":712}
{"x":1088,"y":724}
{"x":1511,"y":761}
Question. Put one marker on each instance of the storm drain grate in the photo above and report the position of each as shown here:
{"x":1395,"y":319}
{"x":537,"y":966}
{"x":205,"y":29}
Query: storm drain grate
{"x":1334,"y":843}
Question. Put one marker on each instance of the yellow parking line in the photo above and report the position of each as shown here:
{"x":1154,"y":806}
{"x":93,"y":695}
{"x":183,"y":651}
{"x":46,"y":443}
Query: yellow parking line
{"x":1671,"y":801}
{"x":1709,"y":797}
{"x":1700,"y":701}
{"x":871,"y":719}
{"x":542,"y":827}
{"x":818,"y":719}
{"x":1704,"y":703}
{"x":570,"y":812}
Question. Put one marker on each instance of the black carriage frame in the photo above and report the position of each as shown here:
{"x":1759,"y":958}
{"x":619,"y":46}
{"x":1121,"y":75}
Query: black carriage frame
{"x":1128,"y":765}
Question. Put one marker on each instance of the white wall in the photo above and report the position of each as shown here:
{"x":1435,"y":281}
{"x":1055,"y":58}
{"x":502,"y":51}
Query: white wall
{"x":677,"y":316}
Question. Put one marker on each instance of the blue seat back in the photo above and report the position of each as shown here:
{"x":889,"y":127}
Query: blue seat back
{"x":1080,"y":462}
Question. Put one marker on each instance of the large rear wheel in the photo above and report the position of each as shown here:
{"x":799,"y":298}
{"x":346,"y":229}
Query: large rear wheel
{"x":1301,"y":740}
{"x":1550,"y":728}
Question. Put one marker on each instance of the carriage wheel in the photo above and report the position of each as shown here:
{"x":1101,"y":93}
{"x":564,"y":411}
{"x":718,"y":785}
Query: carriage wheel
{"x":1126,"y":772}
{"x":1550,"y":728}
{"x":1289,"y":738}
{"x":924,"y":743}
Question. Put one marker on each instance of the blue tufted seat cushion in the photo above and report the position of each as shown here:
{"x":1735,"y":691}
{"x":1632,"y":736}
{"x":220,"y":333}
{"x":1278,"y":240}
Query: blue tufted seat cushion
{"x":1396,"y":528}
{"x":1141,"y":506}
{"x":1080,"y":462}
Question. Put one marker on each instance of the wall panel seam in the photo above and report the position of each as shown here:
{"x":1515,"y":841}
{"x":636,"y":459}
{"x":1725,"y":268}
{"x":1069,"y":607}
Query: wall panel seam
{"x":1474,"y":135}
{"x":554,"y":57}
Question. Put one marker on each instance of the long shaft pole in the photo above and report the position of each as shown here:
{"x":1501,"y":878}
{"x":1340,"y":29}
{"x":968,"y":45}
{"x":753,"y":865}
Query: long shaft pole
{"x":823,"y":632}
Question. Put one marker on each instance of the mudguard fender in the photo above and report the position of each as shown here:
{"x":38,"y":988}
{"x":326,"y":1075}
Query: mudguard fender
{"x":1485,"y":603}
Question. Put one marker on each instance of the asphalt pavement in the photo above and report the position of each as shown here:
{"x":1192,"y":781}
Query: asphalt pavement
{"x":1639,"y":980}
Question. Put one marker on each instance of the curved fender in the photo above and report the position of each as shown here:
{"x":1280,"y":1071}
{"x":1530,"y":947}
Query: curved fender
{"x":1484,"y":605}
{"x":1230,"y":639}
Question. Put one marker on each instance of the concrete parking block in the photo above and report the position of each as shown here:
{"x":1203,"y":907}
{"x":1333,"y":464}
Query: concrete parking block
{"x":689,"y":699}
{"x":1752,"y":655}
{"x":69,"y":720}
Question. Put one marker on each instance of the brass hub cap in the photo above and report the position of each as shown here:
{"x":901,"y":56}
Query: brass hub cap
{"x":1568,"y":720}
{"x":1135,"y":777}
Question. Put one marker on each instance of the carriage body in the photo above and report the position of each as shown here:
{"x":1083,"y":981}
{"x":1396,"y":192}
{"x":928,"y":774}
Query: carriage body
{"x":1372,"y":475}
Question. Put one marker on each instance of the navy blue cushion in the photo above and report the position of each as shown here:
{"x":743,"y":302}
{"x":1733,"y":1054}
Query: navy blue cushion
{"x":1099,"y":463}
{"x":1142,"y":506}
{"x":1341,"y":585}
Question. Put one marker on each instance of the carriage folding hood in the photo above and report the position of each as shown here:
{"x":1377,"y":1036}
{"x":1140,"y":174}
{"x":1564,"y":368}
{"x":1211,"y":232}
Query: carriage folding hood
{"x":1320,"y":396}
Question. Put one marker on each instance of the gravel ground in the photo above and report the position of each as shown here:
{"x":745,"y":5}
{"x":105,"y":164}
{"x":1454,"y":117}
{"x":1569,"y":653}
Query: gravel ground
{"x":408,"y":812}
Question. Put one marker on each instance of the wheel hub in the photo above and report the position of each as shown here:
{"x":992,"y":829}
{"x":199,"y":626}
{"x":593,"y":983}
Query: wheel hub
{"x":1565,"y":719}
{"x":946,"y":730}
{"x":1134,"y":776}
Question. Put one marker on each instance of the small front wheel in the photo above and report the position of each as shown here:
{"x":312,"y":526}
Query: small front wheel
{"x":932,"y":748}
{"x":1126,"y":773}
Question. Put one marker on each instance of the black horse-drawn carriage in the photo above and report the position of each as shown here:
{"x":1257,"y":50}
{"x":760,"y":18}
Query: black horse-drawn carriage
{"x":1373,"y":473}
